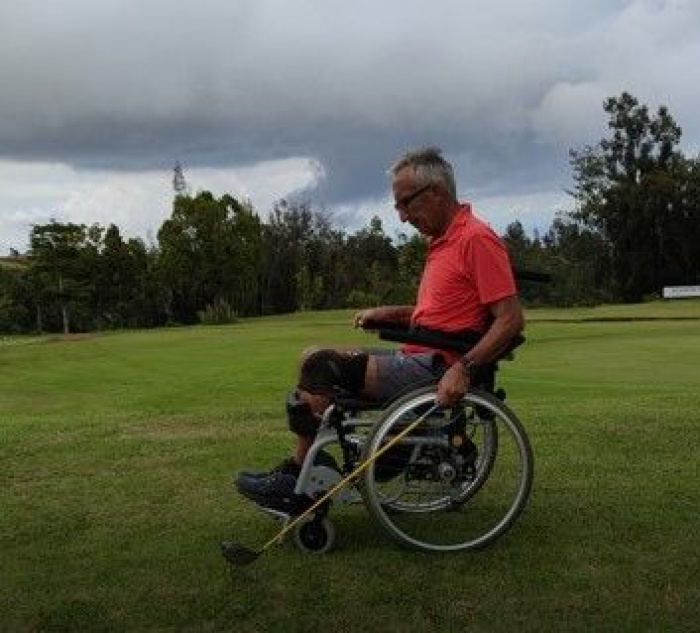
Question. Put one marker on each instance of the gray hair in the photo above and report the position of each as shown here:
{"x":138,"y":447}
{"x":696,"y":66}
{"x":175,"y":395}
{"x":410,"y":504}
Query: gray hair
{"x":429,"y":167}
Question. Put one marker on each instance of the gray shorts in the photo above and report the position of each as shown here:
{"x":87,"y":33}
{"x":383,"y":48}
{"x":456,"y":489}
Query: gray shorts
{"x":397,"y":372}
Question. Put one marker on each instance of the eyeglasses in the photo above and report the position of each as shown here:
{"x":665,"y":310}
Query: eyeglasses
{"x":405,"y":202}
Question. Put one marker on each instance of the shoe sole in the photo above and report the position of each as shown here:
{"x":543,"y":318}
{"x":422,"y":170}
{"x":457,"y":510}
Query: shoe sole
{"x":287,"y":505}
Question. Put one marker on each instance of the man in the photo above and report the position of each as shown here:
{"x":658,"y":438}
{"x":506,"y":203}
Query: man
{"x":467,"y":285}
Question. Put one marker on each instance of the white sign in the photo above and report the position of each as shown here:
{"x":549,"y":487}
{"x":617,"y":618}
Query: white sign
{"x":681,"y":292}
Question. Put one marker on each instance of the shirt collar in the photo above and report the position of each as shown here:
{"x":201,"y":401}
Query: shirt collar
{"x":463,"y":213}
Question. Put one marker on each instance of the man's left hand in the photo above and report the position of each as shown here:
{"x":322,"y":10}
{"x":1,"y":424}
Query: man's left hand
{"x":452,"y":386}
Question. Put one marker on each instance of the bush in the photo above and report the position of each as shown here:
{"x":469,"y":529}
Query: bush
{"x":218,"y":313}
{"x":361,"y":299}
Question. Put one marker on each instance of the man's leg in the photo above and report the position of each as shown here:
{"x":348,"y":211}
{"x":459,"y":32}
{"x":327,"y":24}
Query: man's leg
{"x":318,"y":402}
{"x":323,"y":374}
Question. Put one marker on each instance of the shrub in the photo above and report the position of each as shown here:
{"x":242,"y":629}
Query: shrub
{"x":218,"y":313}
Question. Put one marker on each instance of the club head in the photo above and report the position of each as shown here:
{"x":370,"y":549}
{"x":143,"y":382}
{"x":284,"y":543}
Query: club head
{"x":238,"y":554}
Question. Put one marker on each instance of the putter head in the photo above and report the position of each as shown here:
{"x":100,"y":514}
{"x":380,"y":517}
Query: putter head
{"x":238,"y":554}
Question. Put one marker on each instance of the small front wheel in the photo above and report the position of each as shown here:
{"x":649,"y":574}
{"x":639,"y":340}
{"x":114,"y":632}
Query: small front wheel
{"x":314,"y":535}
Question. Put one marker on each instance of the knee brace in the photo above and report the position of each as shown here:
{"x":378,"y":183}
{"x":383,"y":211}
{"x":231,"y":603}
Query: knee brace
{"x":300,"y":417}
{"x":329,"y":373}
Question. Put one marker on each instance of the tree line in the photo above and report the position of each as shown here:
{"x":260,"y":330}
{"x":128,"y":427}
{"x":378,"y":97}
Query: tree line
{"x":634,"y":227}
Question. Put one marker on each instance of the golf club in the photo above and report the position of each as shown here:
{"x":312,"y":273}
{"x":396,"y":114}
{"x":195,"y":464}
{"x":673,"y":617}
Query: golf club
{"x":239,"y":555}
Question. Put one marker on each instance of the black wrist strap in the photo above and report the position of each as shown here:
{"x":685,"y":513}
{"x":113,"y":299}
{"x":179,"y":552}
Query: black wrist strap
{"x":470,"y":367}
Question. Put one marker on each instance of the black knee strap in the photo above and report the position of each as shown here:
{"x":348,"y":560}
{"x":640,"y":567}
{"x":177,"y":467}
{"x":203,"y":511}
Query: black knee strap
{"x":329,"y":373}
{"x":301,"y":419}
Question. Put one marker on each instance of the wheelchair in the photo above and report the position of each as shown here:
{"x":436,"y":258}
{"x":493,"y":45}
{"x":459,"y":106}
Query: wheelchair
{"x":435,"y":479}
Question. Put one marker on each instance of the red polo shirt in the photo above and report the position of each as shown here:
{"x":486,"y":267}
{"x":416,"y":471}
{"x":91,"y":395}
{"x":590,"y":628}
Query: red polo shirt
{"x":466,"y":269}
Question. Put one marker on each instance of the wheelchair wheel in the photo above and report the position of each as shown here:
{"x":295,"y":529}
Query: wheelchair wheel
{"x":314,"y":536}
{"x":458,"y":481}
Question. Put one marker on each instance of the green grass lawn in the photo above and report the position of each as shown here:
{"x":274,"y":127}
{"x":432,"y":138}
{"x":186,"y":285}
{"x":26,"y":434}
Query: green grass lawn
{"x":116,"y":452}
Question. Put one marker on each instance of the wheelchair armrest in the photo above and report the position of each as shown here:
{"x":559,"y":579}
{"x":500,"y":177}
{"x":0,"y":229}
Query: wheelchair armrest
{"x":429,"y":339}
{"x":532,"y":275}
{"x":461,"y":343}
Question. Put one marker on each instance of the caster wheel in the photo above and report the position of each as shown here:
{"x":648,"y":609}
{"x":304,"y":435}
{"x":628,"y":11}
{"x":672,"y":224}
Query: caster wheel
{"x":314,"y":536}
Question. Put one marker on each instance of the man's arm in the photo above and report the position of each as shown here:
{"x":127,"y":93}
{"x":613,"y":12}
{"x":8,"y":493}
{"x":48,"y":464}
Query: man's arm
{"x":397,"y":315}
{"x":508,"y":321}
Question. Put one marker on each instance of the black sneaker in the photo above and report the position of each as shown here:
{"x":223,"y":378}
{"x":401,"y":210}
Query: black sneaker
{"x":275,"y":489}
{"x":287,"y":466}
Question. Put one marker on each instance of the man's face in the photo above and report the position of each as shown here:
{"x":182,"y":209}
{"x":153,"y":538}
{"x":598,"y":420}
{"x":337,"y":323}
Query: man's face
{"x":416,"y":203}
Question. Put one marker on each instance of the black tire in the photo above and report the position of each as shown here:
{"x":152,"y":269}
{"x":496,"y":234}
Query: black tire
{"x":434,"y":501}
{"x":314,"y":535}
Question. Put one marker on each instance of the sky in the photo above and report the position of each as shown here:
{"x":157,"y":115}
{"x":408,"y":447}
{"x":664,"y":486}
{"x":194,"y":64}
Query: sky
{"x":314,"y":99}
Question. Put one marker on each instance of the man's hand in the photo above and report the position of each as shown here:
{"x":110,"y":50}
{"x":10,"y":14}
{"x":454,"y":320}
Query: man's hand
{"x":452,"y":386}
{"x":369,"y":318}
{"x":364,"y":318}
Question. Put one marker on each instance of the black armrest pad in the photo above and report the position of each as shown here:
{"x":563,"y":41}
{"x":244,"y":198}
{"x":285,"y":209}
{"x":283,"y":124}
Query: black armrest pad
{"x":461,"y":343}
{"x":532,"y":275}
{"x":429,"y":339}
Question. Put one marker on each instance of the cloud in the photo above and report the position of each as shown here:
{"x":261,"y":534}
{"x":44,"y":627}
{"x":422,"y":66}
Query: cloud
{"x":507,"y":88}
{"x":137,"y":203}
{"x":568,"y":114}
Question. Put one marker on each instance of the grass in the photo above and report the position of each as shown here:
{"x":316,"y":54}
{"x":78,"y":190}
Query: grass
{"x":116,"y":451}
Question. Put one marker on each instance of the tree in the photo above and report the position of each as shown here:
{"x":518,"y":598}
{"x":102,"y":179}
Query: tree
{"x":411,"y":252}
{"x":373,"y":265}
{"x":57,"y":259}
{"x":322,"y":274}
{"x":15,"y":303}
{"x":626,"y":189}
{"x":526,"y":254}
{"x":121,"y":281}
{"x":579,"y":260}
{"x":209,"y":254}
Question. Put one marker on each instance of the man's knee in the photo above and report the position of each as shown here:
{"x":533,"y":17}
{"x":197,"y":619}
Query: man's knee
{"x":330,"y":373}
{"x":309,"y":351}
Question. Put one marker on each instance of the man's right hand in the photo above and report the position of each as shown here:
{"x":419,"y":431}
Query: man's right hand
{"x":365,"y":318}
{"x":374,"y":318}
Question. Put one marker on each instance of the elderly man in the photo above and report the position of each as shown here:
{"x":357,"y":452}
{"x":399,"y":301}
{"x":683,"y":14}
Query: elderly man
{"x":467,"y":286}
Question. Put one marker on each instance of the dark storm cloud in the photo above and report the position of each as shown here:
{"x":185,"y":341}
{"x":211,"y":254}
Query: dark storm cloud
{"x":505,"y":87}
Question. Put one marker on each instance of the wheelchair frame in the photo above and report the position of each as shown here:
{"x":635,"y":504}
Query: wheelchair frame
{"x":439,"y":491}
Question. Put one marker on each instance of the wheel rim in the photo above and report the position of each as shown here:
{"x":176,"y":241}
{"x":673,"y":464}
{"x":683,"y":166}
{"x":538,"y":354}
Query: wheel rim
{"x":421,"y":510}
